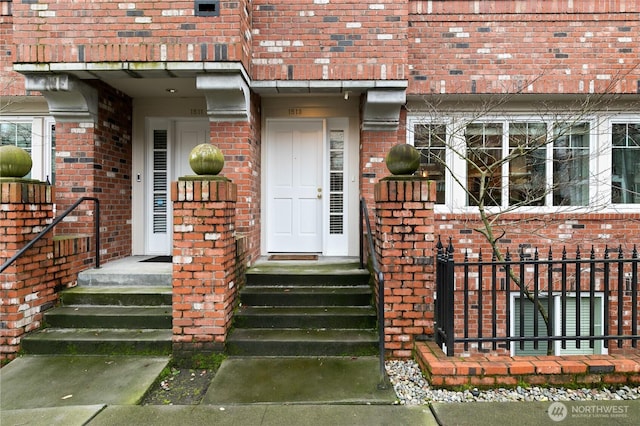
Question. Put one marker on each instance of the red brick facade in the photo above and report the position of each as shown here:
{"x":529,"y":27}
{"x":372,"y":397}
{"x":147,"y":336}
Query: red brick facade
{"x":404,"y":243}
{"x":457,"y":50}
{"x":26,"y":291}
{"x":95,"y":160}
{"x":30,"y":285}
{"x":205,"y":280}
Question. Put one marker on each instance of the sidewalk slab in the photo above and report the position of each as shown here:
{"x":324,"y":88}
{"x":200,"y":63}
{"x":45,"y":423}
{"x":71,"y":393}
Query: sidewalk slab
{"x":39,"y":381}
{"x":566,"y":413}
{"x":298,"y":380}
{"x":265,"y":415}
{"x":55,"y":416}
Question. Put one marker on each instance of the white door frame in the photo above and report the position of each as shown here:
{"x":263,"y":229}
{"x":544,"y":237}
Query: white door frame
{"x":334,"y":243}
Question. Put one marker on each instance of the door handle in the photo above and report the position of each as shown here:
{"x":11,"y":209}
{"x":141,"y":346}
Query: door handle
{"x":319,"y":195}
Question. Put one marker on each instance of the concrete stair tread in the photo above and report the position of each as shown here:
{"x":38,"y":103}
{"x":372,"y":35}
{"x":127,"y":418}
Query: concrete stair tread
{"x":300,"y":335}
{"x":310,"y":289}
{"x":111,"y":310}
{"x":119,"y":290}
{"x":100,"y":334}
{"x":306,"y":311}
{"x":117,"y":296}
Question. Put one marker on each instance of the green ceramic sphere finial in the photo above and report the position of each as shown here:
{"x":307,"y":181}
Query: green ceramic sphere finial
{"x":206,"y":159}
{"x":403,"y":159}
{"x":15,"y":162}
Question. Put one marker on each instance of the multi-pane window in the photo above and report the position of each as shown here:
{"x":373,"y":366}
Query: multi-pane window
{"x":484,"y":171}
{"x":571,"y":165}
{"x":37,"y":137}
{"x":429,"y":140}
{"x":625,"y":163}
{"x":528,"y":166}
{"x":519,"y":162}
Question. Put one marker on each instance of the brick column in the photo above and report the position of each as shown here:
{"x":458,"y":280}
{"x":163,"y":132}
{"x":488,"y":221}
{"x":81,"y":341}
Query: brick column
{"x":404,"y":243}
{"x":204,"y":264}
{"x":26,"y":289}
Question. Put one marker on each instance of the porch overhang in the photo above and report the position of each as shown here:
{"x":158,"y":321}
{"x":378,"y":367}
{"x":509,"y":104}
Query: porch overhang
{"x":226,"y":87}
{"x":69,"y":99}
{"x":382,"y":103}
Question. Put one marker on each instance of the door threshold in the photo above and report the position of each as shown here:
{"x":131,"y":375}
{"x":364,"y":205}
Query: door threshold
{"x":293,"y":256}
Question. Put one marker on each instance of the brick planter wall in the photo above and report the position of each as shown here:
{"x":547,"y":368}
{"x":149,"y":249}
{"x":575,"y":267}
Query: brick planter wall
{"x":404,"y":243}
{"x":26,"y":289}
{"x":506,"y":371}
{"x":204,"y":271}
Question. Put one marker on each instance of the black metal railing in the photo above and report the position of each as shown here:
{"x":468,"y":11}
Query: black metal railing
{"x":365,"y":231}
{"x":53,"y":224}
{"x":531,"y":305}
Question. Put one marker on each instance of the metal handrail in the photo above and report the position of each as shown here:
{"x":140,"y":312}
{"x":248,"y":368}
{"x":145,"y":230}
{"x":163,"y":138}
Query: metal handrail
{"x":364,"y":222}
{"x":54,"y":223}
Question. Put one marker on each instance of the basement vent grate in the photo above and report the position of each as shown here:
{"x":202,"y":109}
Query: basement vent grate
{"x":207,"y":7}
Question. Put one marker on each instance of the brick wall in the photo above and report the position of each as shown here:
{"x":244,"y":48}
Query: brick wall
{"x":483,"y":47}
{"x":374,"y":147}
{"x":98,"y":31}
{"x":320,"y":39}
{"x":403,"y":241}
{"x":241,"y":145}
{"x":205,"y":283}
{"x":26,"y":288}
{"x":95,"y":160}
{"x":11,"y":84}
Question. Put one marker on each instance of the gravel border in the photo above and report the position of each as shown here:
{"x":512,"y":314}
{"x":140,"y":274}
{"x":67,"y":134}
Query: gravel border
{"x":412,"y":388}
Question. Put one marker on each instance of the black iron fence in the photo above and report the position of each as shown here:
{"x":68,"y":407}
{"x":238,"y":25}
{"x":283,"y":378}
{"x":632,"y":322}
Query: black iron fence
{"x":530,"y":305}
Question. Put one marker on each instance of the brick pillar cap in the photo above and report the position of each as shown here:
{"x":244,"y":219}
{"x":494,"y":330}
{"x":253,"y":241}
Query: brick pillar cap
{"x":211,"y":178}
{"x":404,"y":178}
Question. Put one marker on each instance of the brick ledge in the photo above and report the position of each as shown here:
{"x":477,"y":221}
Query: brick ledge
{"x":504,"y":371}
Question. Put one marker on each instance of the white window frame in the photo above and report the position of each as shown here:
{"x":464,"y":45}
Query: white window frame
{"x":40,"y":143}
{"x":606,"y":159}
{"x":600,"y":153}
{"x":598,"y":349}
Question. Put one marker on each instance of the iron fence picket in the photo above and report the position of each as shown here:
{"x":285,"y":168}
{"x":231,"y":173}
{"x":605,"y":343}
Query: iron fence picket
{"x":503,"y":276}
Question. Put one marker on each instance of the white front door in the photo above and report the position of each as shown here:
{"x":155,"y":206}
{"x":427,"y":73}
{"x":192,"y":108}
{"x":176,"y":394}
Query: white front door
{"x":294,"y":186}
{"x":169,"y":143}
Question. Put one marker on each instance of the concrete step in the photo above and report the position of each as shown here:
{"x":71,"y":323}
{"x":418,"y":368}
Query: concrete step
{"x":298,"y":342}
{"x":307,"y":295}
{"x":104,"y":316}
{"x":355,"y":277}
{"x":118,"y":295}
{"x":306,"y":317}
{"x":98,"y":341}
{"x":131,"y":271}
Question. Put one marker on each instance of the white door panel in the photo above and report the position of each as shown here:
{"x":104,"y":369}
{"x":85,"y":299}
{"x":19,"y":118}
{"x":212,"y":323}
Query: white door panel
{"x":294,"y":186}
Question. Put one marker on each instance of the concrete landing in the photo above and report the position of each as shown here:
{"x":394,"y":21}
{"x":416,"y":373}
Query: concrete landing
{"x":292,"y":380}
{"x":64,"y":381}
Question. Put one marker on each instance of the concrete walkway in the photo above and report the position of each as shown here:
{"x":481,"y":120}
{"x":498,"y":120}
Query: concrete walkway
{"x":104,"y":390}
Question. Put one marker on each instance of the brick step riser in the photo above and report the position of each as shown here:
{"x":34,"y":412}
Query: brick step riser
{"x":365,"y":322}
{"x":307,"y":280}
{"x":304,"y":299}
{"x":100,"y":321}
{"x":261,"y":348}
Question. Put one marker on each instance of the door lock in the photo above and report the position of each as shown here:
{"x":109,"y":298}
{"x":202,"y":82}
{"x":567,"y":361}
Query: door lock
{"x":319,"y":193}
